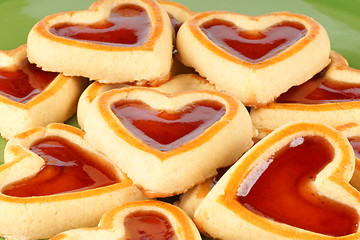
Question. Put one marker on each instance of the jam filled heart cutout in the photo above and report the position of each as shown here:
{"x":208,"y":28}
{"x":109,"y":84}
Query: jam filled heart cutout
{"x":284,"y":180}
{"x":168,"y":134}
{"x":67,"y":168}
{"x":168,"y":130}
{"x":24,"y":83}
{"x":293,"y":184}
{"x":253,"y":47}
{"x":127,"y":25}
{"x":148,"y":224}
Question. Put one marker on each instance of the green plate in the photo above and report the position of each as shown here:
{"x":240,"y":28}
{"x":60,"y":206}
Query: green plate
{"x":341,"y":19}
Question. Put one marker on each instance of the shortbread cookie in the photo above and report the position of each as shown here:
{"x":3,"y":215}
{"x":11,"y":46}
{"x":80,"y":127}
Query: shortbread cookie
{"x":175,"y":85}
{"x":249,"y":57}
{"x":30,"y":97}
{"x":352,"y":133}
{"x":168,"y":143}
{"x":52,"y":181}
{"x":114,"y":41}
{"x":191,"y":199}
{"x":331,"y":97}
{"x":293,"y":184}
{"x":139,"y":220}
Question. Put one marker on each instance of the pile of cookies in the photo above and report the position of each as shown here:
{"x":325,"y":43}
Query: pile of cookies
{"x":170,"y":103}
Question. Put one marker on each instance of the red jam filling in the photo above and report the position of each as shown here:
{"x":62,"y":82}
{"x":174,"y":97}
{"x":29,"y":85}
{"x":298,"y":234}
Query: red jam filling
{"x":24,"y":83}
{"x":67,"y":168}
{"x":319,"y":90}
{"x":127,"y":26}
{"x":166,"y":130}
{"x":148,"y":225}
{"x":280,"y":189}
{"x":253,"y":46}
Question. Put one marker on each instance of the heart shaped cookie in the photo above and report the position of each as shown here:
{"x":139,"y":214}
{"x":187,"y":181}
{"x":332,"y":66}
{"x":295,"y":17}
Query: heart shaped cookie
{"x":168,"y":143}
{"x":293,"y":184}
{"x":331,"y":97}
{"x":139,"y":220}
{"x":112,"y":42}
{"x":50,"y":180}
{"x":30,"y":97}
{"x":260,"y":57}
{"x":176,"y":84}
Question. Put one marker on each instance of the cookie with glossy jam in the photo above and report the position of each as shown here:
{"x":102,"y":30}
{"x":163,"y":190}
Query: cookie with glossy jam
{"x":255,"y":58}
{"x":293,"y":184}
{"x":112,"y":42}
{"x":53,"y":181}
{"x":331,"y":97}
{"x":139,"y":220}
{"x":31,"y":97}
{"x":168,"y":143}
{"x":176,"y":84}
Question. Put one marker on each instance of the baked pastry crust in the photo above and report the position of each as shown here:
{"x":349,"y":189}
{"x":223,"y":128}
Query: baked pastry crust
{"x":149,"y":63}
{"x":111,"y":225}
{"x":176,"y":84}
{"x":220,"y":214}
{"x":44,"y":216}
{"x":254,"y":84}
{"x":218,"y":146}
{"x":56,"y":103}
{"x":268,"y":118}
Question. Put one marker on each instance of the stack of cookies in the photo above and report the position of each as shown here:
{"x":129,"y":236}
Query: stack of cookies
{"x":170,"y":103}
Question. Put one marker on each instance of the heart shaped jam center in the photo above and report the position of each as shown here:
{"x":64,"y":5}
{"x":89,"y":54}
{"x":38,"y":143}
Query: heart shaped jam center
{"x":24,"y":83}
{"x":280,"y":188}
{"x":166,"y":130}
{"x":148,"y":225}
{"x":253,"y":46}
{"x":67,"y":168}
{"x":128,"y":26}
{"x":319,"y":90}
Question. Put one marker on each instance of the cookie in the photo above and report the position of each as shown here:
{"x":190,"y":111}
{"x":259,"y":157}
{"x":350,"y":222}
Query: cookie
{"x":176,"y":84}
{"x":249,"y":57}
{"x":168,"y":143}
{"x":52,"y":181}
{"x":30,"y":97}
{"x":112,"y":42}
{"x":293,"y":184}
{"x":139,"y":220}
{"x":330,"y":97}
